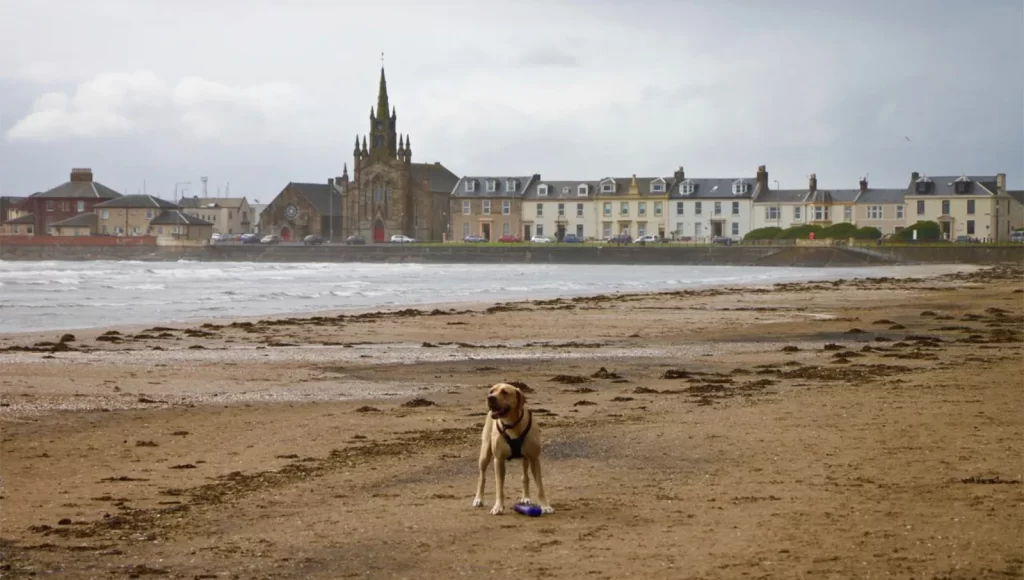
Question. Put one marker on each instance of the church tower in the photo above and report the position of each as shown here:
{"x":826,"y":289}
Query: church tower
{"x":383,"y":136}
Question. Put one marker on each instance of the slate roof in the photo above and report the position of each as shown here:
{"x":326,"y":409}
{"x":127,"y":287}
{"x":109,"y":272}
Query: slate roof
{"x":714,"y":188}
{"x":138,"y":202}
{"x":441,"y":180}
{"x":82,"y":220}
{"x":881,"y":196}
{"x":78,"y":190}
{"x":176,"y":217}
{"x":943,"y":185}
{"x":645,"y":185}
{"x":319,"y":196}
{"x":195,"y":202}
{"x":561,"y":189}
{"x":520,"y":184}
{"x":779,"y":196}
{"x":28,"y":219}
{"x":1018,"y":195}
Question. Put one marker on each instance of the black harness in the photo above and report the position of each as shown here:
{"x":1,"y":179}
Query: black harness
{"x":515,"y":444}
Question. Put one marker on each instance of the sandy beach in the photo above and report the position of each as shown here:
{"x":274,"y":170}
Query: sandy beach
{"x":844,"y":429}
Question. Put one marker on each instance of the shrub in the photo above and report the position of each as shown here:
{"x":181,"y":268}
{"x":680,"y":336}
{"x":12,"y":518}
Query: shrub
{"x":842,"y":231}
{"x":926,"y":231}
{"x":770,"y":233}
{"x":868,"y":233}
{"x":801,"y":232}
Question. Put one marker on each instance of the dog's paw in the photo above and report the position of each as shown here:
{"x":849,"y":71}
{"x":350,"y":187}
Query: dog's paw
{"x":497,"y":510}
{"x":547,"y":509}
{"x":477,"y":502}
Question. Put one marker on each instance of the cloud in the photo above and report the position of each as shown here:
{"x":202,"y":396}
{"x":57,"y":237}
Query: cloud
{"x":547,"y":56}
{"x":115,"y":104}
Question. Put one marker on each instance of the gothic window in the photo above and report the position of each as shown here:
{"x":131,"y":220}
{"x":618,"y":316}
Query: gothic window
{"x":387,"y":200}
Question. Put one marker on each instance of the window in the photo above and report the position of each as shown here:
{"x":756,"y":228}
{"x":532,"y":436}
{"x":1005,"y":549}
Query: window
{"x":606,"y":229}
{"x":735,"y":208}
{"x":923,"y":185}
{"x":561,"y":210}
{"x":679,"y":208}
{"x":624,"y":208}
{"x":487,"y":207}
{"x":899,"y":212}
{"x":49,"y":205}
{"x":920,"y":207}
{"x":735,"y":228}
{"x":542,"y":190}
{"x":579,"y":231}
{"x":506,"y":207}
{"x":962,"y":185}
{"x":608,"y":187}
{"x":739,"y":187}
{"x":970,"y":206}
{"x":641,"y":208}
{"x":149,"y":214}
{"x":467,"y":207}
{"x":686,"y":187}
{"x":582,"y":190}
{"x":697,"y":208}
{"x":874,"y":212}
{"x":847,"y":214}
{"x":970,"y":227}
{"x":718,"y":208}
{"x":579,"y":210}
{"x":658,"y":187}
{"x":492,"y":185}
{"x":105,"y":214}
{"x":540,"y":210}
{"x":607,"y":209}
{"x":540,"y":229}
{"x":81,"y":206}
{"x":505,"y":229}
{"x":565,"y":190}
{"x":797,"y":212}
{"x":658,"y":209}
{"x":510,"y":186}
{"x":465,"y":230}
{"x":470,"y":185}
{"x":771,"y":214}
{"x":641,"y":228}
{"x":945,"y":207}
{"x":821,"y":213}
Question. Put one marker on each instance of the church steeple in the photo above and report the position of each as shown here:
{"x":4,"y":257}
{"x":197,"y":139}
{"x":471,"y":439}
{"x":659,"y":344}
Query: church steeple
{"x":383,"y":139}
{"x":382,"y":96}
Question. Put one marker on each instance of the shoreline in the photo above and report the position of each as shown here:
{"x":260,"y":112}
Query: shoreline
{"x":908,"y":272}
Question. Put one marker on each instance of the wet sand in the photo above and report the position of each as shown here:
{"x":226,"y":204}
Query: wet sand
{"x":849,"y":429}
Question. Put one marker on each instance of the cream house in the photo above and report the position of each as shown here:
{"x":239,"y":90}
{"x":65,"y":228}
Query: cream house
{"x":882,"y":209}
{"x":229,"y":215}
{"x":129,"y":215}
{"x":556,"y":208}
{"x":633,"y":205}
{"x":490,"y":206}
{"x":974,"y":206}
{"x":702,"y":209}
{"x":1016,"y":209}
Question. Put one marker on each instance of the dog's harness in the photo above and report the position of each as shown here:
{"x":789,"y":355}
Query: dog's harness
{"x":515,"y":444}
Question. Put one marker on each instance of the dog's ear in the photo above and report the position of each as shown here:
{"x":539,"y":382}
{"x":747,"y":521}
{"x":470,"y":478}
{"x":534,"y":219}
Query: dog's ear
{"x":520,"y":399}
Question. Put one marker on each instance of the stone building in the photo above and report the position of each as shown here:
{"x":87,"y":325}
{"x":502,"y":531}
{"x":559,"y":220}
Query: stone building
{"x":388,"y":194}
{"x":303,"y":209}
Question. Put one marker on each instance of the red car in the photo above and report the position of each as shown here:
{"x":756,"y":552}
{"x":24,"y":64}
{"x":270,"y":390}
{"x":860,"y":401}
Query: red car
{"x":510,"y":238}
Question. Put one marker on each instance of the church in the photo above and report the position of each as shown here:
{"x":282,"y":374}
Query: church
{"x":388,"y":194}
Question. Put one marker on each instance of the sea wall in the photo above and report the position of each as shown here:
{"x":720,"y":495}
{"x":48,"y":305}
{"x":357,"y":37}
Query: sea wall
{"x":69,"y":249}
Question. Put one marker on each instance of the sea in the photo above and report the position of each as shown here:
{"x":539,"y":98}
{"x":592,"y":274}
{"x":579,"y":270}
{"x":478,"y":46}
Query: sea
{"x":67,"y":295}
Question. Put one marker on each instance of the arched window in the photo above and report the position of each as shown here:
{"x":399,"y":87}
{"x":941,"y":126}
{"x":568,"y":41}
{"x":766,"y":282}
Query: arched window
{"x":387,"y":200}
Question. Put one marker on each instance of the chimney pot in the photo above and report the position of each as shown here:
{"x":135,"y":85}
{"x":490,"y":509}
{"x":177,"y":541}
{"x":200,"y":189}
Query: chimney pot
{"x":863,"y":184}
{"x":81,"y":174}
{"x":915,"y":176}
{"x":813,"y":182}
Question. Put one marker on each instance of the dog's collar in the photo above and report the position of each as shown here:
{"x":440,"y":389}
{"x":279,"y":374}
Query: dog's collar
{"x":506,"y":427}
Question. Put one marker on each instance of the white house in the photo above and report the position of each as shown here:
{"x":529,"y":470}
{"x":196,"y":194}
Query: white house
{"x":701,"y":209}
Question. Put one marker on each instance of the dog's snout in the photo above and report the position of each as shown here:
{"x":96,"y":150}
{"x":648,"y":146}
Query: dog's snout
{"x":492,"y":397}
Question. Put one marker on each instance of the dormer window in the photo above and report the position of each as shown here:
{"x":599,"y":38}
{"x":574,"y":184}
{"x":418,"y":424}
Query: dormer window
{"x":565,"y":190}
{"x":658,"y":185}
{"x":923,"y":185}
{"x":542,"y":190}
{"x":739,"y":187}
{"x":492,"y":185}
{"x":608,"y":186}
{"x":962,"y":185}
{"x":510,"y":185}
{"x":582,"y":190}
{"x":470,"y":186}
{"x":686,"y":187}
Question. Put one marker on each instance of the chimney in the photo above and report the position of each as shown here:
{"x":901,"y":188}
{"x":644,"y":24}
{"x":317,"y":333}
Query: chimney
{"x":812,"y":184}
{"x":680,"y":175}
{"x":762,"y":177}
{"x":863,"y":183}
{"x":1000,"y":184}
{"x":81,"y":174}
{"x":915,"y":176}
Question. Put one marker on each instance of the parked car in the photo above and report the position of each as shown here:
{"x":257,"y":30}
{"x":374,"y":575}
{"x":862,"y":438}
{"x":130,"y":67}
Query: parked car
{"x":270,"y":239}
{"x":312,"y":240}
{"x":1017,"y":237}
{"x":721,"y":240}
{"x":250,"y":238}
{"x":216,"y":237}
{"x":572,"y":239}
{"x":402,"y":239}
{"x":474,"y":239}
{"x":355,"y":240}
{"x":647,"y":239}
{"x":540,"y":240}
{"x":510,"y":239}
{"x":966,"y":240}
{"x":621,"y":239}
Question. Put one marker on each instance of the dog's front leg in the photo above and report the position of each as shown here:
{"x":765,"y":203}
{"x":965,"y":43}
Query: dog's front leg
{"x":526,"y":481}
{"x":486,"y":456}
{"x":541,"y":494}
{"x":499,"y":486}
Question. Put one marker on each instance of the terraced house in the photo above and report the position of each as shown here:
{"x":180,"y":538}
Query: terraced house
{"x":707,"y":208}
{"x":555,"y":208}
{"x":975,"y":206}
{"x":490,"y":207}
{"x":633,"y":206}
{"x":793,"y":207}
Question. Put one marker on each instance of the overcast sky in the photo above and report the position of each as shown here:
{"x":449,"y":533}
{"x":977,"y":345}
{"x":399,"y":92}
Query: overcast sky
{"x":257,"y":93}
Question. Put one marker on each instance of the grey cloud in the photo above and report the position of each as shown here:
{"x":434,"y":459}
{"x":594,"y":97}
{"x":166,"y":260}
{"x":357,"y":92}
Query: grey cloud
{"x":547,"y":56}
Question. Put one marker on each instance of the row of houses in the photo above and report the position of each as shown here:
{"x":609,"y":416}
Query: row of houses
{"x":84,"y":207}
{"x":682,"y":207}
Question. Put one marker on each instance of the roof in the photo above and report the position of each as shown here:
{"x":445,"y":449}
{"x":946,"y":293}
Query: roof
{"x":319,"y":196}
{"x":79,"y":190}
{"x":25,"y":219}
{"x":623,"y":185}
{"x":211,"y":202}
{"x":176,"y":217}
{"x":138,"y":201}
{"x":518,"y":183}
{"x":82,"y":220}
{"x":1017,"y":194}
{"x":713,"y":188}
{"x":441,"y":180}
{"x":780,"y":196}
{"x":881,"y":196}
{"x":943,"y":185}
{"x":561,"y":189}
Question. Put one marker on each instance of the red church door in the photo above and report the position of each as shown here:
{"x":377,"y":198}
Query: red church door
{"x":286,"y":234}
{"x":379,"y":235}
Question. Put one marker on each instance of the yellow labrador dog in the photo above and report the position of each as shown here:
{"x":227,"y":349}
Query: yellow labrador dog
{"x":509,"y":433}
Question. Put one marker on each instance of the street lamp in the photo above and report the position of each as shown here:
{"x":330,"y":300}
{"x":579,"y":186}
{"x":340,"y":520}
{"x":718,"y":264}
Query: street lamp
{"x":176,"y":198}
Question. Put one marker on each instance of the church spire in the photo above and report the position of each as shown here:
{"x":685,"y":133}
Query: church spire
{"x":382,"y":96}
